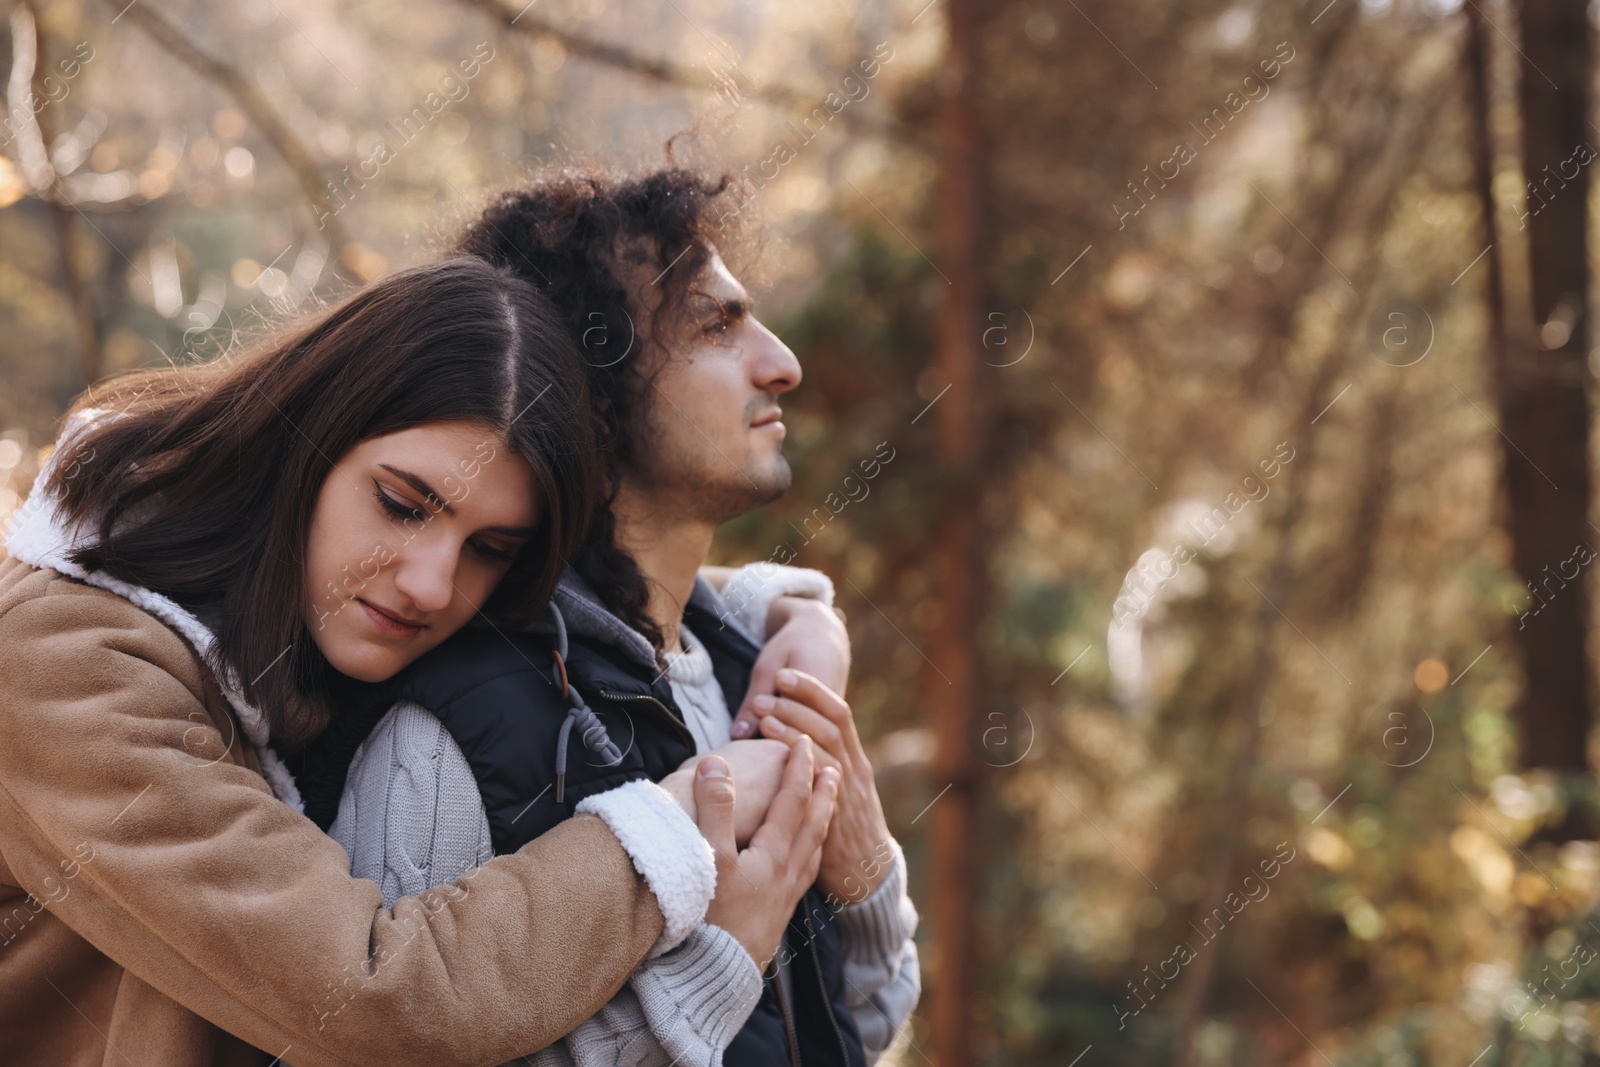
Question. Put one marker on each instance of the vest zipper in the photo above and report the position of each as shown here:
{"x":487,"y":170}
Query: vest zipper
{"x":827,"y":1004}
{"x":788,"y":1023}
{"x":681,"y":730}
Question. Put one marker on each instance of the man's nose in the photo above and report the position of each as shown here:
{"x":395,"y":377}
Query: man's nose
{"x":776,"y":369}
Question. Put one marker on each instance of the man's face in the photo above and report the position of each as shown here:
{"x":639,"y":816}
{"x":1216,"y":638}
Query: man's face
{"x":711,"y":445}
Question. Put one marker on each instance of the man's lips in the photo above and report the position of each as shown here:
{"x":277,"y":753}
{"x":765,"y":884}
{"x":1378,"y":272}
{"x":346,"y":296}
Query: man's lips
{"x":389,"y":622}
{"x":768,"y":419}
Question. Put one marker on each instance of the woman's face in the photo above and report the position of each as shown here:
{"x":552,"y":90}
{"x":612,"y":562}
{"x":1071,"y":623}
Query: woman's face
{"x":411,"y":533}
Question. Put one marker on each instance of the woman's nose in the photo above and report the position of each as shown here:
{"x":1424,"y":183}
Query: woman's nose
{"x":425,"y":574}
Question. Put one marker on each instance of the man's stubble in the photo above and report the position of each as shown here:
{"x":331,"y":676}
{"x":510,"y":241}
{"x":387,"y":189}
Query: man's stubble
{"x":682,"y":471}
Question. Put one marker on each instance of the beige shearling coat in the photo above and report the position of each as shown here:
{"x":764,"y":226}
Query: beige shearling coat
{"x":160,"y":906}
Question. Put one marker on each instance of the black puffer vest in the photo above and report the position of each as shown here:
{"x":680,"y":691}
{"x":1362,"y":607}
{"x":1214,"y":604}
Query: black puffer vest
{"x":500,"y":696}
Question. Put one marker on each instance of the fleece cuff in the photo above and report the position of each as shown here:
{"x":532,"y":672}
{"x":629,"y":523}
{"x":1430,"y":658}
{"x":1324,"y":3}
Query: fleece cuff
{"x":666,"y":848}
{"x":752,"y":588}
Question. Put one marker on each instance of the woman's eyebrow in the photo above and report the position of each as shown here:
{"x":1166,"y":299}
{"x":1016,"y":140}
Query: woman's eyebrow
{"x":416,"y":482}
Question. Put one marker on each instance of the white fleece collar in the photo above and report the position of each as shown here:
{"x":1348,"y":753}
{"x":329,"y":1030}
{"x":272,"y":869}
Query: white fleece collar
{"x":39,"y":538}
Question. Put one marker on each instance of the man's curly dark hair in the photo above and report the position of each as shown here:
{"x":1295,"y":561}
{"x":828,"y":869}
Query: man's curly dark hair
{"x":571,"y":235}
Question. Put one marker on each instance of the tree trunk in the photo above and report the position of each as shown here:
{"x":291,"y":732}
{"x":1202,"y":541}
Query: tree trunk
{"x":961,"y":438}
{"x":1483,"y":155}
{"x":1543,"y":402}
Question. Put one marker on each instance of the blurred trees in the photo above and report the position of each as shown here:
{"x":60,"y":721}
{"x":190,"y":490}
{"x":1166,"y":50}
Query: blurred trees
{"x":1318,"y":658}
{"x":962,"y":450}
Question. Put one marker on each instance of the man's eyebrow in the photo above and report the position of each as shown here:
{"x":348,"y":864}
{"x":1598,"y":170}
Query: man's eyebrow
{"x":737,"y":308}
{"x":422,"y":487}
{"x":734,"y":307}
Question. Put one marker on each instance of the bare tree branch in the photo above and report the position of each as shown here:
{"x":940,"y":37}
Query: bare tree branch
{"x":253,"y":102}
{"x":33,"y":146}
{"x":670,"y":73}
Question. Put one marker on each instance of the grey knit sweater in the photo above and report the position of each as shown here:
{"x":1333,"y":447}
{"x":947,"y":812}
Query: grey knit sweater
{"x":411,"y":817}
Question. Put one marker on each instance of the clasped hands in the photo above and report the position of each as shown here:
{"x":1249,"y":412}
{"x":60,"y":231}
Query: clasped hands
{"x":798,"y":804}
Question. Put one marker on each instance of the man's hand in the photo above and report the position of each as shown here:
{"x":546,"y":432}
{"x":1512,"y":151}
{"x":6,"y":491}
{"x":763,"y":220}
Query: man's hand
{"x":805,"y":635}
{"x":758,"y":888}
{"x":757,"y":767}
{"x":857,"y":856}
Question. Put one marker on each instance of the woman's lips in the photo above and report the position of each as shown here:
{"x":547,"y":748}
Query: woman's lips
{"x":389,"y":624}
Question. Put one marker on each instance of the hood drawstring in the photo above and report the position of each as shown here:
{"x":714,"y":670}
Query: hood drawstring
{"x":591,"y":729}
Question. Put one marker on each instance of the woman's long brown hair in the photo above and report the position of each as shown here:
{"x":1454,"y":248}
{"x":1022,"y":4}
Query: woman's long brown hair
{"x":203,"y":485}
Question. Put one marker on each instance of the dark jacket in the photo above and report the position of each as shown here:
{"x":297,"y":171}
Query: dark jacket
{"x":500,"y":696}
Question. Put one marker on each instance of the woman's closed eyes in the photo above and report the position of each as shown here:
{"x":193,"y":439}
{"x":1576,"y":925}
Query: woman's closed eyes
{"x":401,"y":510}
{"x":397,"y":509}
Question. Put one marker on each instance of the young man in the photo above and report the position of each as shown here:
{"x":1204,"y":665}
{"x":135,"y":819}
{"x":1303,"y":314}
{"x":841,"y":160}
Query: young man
{"x":650,"y":661}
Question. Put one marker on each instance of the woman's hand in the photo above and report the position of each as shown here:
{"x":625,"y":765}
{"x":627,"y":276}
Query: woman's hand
{"x":757,"y":766}
{"x":758,"y":888}
{"x":805,"y":635}
{"x":858,"y":855}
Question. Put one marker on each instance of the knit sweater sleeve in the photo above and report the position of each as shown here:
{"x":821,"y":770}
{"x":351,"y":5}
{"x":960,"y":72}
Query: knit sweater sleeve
{"x":680,"y":1008}
{"x":882,"y":972}
{"x":411,"y":817}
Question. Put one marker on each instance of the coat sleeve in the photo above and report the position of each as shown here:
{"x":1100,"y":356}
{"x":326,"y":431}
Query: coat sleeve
{"x":411,"y":817}
{"x":188,"y":873}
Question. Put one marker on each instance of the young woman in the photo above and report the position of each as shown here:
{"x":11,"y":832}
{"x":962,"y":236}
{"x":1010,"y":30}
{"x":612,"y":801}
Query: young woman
{"x":215,"y":560}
